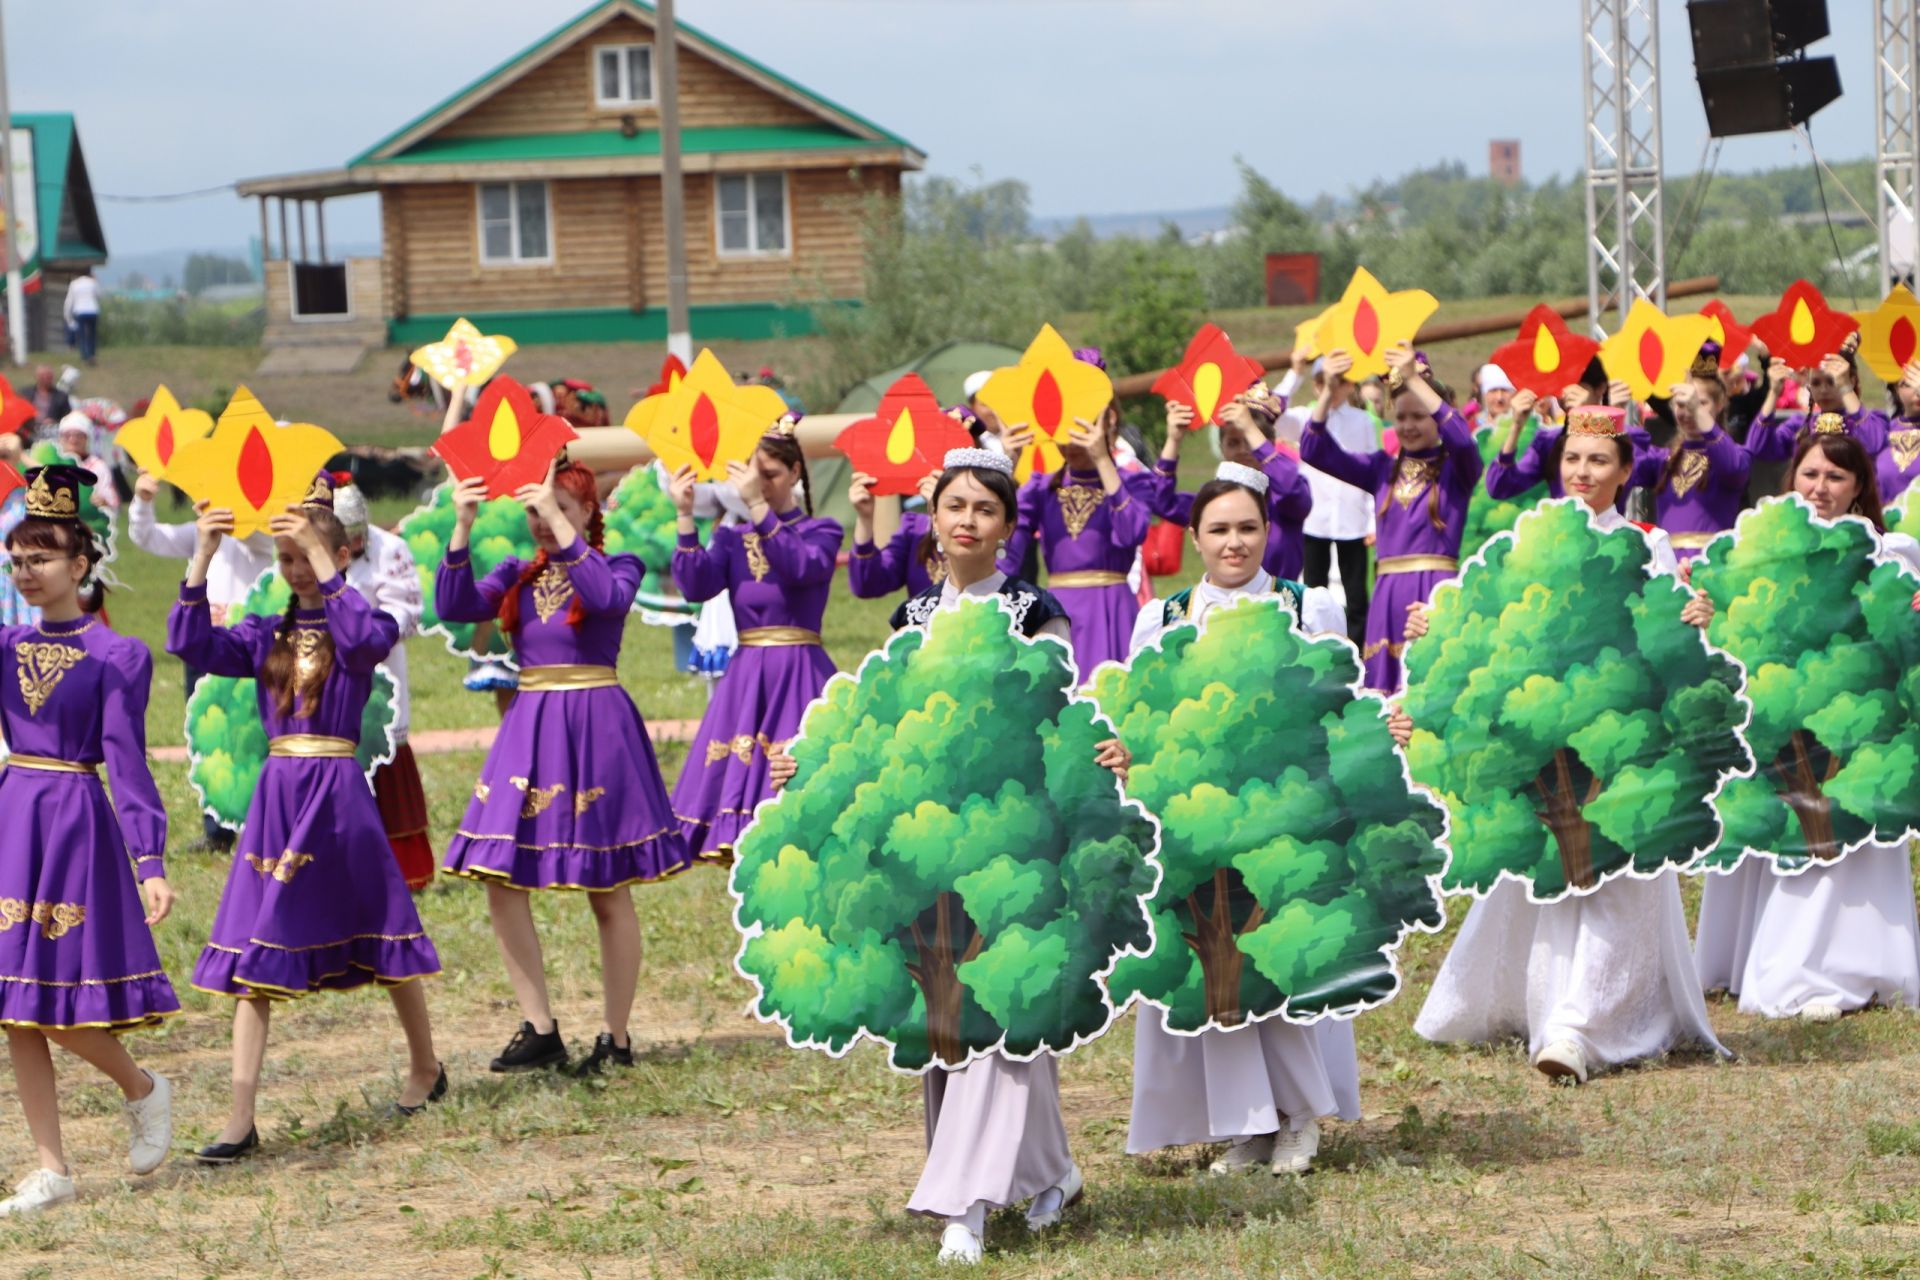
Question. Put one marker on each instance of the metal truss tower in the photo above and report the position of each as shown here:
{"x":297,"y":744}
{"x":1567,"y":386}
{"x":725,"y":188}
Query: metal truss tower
{"x":1626,"y":214}
{"x":1896,"y":132}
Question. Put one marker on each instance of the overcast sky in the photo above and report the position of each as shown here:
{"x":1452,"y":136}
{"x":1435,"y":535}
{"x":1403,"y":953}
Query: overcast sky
{"x":1101,"y":106}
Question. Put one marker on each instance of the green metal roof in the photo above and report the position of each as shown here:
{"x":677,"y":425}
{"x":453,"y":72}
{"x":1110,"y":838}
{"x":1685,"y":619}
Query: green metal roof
{"x":60,"y":175}
{"x":371,"y":154}
{"x":601,"y":144}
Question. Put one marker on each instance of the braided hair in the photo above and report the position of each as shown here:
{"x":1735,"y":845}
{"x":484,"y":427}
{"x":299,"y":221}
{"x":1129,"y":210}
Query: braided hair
{"x":579,"y":481}
{"x":296,"y":693}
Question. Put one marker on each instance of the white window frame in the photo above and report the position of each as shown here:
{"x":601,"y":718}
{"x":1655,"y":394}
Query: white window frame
{"x":624,"y":50}
{"x":293,"y":300}
{"x":753,"y":250}
{"x":513,"y":209}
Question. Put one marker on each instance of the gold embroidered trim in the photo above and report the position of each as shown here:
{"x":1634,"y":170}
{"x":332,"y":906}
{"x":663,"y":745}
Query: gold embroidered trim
{"x":85,"y":982}
{"x":282,"y":868}
{"x":1086,"y":578}
{"x":55,"y":919}
{"x":309,"y":745}
{"x":557,"y":844}
{"x":338,"y":591}
{"x":1905,"y":446}
{"x":318,"y":946}
{"x":45,"y":501}
{"x":1416,"y":564}
{"x":1394,"y":649}
{"x":306,"y":652}
{"x":539,"y":799}
{"x":1078,"y":502}
{"x":47,"y":764}
{"x":551,"y":591}
{"x":559,"y":677}
{"x":85,"y":626}
{"x":41,"y":668}
{"x":1691,"y":471}
{"x":1416,"y":474}
{"x":1691,"y":541}
{"x":583,"y":800}
{"x":756,"y":557}
{"x":775,"y":637}
{"x":740,"y":747}
{"x":481,"y":791}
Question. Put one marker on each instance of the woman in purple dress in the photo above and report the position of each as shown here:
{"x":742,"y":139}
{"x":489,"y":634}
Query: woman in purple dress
{"x":1835,"y":388}
{"x":314,"y":901}
{"x":1700,"y":481}
{"x":1899,"y":463}
{"x":1246,"y":439}
{"x":77,"y":960}
{"x":570,"y":796}
{"x":1421,"y":494}
{"x":778,"y":572}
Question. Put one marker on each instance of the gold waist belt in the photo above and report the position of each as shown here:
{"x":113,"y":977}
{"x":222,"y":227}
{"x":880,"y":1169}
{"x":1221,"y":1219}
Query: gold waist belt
{"x":1416,"y":564}
{"x":1692,"y":541}
{"x":561,"y":676}
{"x":771,"y":637}
{"x":1087,"y":578}
{"x":309,"y":745}
{"x":47,"y":764}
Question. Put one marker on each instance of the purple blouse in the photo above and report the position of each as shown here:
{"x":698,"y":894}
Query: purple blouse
{"x":1772,"y":439}
{"x":1705,"y":493}
{"x":604,"y":585}
{"x":1899,"y":462}
{"x":1431,"y":482}
{"x":1289,"y":502}
{"x":778,"y":572}
{"x":1084,"y":531}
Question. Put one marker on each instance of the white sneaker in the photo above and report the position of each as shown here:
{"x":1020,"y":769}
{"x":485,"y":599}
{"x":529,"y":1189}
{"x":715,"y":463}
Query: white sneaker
{"x":150,"y":1127}
{"x":959,"y":1244}
{"x":1562,"y":1060}
{"x":1820,"y":1011}
{"x":41,"y":1189}
{"x":1294,"y":1149}
{"x":1047,"y":1207}
{"x":1244,"y":1154}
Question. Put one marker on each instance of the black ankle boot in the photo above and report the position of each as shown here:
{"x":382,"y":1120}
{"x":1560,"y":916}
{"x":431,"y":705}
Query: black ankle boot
{"x":530,"y":1049}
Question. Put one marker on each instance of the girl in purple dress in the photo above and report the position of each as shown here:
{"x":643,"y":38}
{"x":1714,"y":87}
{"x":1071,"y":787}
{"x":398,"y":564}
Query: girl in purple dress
{"x":778,"y":571}
{"x":77,"y":961}
{"x":1835,"y":388}
{"x":1246,"y":439}
{"x":314,"y":901}
{"x":1700,"y":481}
{"x":1899,"y":463}
{"x":570,"y":796}
{"x":1422,"y":496}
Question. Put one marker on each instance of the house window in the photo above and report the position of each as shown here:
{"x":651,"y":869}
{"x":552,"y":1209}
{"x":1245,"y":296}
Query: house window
{"x":623,"y":75}
{"x":750,"y":214}
{"x":514,"y":221}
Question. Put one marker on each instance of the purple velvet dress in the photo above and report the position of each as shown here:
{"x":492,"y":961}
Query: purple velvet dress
{"x":1089,"y":541}
{"x":1509,"y":476}
{"x":75,"y":950}
{"x":1289,"y":501}
{"x":873,"y":571}
{"x":1702,"y":497}
{"x":1773,"y":439}
{"x":778,"y":574}
{"x":315,"y":900}
{"x":1899,"y":462}
{"x":570,"y":796}
{"x":1421,"y":501}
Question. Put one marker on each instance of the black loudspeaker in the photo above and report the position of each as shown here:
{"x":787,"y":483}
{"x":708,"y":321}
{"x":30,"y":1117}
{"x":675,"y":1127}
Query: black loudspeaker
{"x":1769,"y":98}
{"x":1740,"y":33}
{"x":1745,"y":55}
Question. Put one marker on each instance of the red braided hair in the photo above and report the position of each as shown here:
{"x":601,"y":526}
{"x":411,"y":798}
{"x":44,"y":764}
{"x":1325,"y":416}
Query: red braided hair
{"x":578,"y":481}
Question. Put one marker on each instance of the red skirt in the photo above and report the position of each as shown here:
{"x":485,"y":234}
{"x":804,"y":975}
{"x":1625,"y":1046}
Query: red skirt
{"x":403,"y":812}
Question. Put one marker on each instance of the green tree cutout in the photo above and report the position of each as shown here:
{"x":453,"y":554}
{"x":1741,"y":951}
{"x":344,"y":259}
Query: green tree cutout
{"x":1832,"y":651}
{"x":949,"y":871}
{"x":1900,"y":513}
{"x":1575,"y":726}
{"x":228,"y":744}
{"x":1289,"y":833}
{"x":1487,"y":515}
{"x":499,"y":533}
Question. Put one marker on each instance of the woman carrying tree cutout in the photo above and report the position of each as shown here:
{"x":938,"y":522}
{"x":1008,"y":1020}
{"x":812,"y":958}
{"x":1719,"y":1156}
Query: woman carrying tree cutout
{"x":1600,"y":979}
{"x":994,"y":1132}
{"x":1261,"y":1089}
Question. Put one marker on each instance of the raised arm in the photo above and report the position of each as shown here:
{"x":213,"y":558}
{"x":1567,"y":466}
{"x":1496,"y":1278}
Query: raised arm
{"x":800,"y":554}
{"x":1289,"y":496}
{"x":605,"y":584}
{"x":221,"y":651}
{"x":136,"y":800}
{"x":1462,"y":454}
{"x":1728,"y":464}
{"x":1029,"y":505}
{"x":1510,"y":476}
{"x":873,"y":572}
{"x":174,"y":541}
{"x":1130,"y":510}
{"x":363,"y":636}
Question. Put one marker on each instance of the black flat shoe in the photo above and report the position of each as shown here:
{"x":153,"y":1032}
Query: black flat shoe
{"x":530,"y":1050}
{"x":229,"y":1152}
{"x":605,"y":1051}
{"x":438,"y":1092}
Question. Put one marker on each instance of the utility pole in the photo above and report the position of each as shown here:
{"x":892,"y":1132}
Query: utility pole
{"x":672,"y":194}
{"x":16,"y":294}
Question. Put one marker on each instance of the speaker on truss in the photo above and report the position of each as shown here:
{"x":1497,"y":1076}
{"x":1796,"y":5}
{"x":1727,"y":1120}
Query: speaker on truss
{"x":1748,"y":56}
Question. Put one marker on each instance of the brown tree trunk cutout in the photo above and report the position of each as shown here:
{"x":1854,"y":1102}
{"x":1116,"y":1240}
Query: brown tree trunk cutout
{"x":1799,"y":777}
{"x":1213,"y":940}
{"x":939,"y":983}
{"x":1561,"y":811}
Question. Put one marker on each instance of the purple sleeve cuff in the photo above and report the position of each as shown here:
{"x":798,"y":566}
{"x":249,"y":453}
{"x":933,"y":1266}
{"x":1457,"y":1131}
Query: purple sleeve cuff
{"x":193,"y":595}
{"x":458,"y":557}
{"x":573,"y":553}
{"x":766,"y":524}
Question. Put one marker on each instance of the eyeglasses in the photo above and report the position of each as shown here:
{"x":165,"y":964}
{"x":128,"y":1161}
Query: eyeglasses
{"x":33,"y":564}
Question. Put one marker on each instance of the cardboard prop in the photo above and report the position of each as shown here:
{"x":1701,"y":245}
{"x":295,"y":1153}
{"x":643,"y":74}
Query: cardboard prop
{"x":1803,"y":329}
{"x":905,"y":439}
{"x":1367,"y":321}
{"x":251,"y":465}
{"x":1734,"y":338}
{"x":1209,"y":375}
{"x":1823,"y":619}
{"x":1296,"y":854}
{"x":1305,"y":345}
{"x":1047,"y":390}
{"x":1546,"y":355}
{"x":1890,"y":334}
{"x":465,"y":357}
{"x":507,"y":442}
{"x":949,"y":873}
{"x":639,"y":419}
{"x":1576,"y":728}
{"x":226,"y":742}
{"x":10,"y":481}
{"x":1653,"y":352}
{"x":16,"y":411}
{"x":499,"y":532}
{"x":152,"y":439}
{"x":706,"y":421}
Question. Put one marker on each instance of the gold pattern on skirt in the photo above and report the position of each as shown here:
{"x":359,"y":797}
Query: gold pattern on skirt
{"x":54,"y":918}
{"x":1078,"y":502}
{"x":282,"y":868}
{"x":539,"y":799}
{"x":756,"y":557}
{"x":740,"y":747}
{"x":551,"y":591}
{"x":306,"y":653}
{"x":1905,"y":446}
{"x":583,"y":800}
{"x":481,"y":791}
{"x":41,"y":668}
{"x":1691,"y":471}
{"x":1416,"y":474}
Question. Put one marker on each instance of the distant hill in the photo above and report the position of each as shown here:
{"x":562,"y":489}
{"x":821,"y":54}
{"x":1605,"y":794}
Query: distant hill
{"x":160,"y":265}
{"x":1192,"y":222}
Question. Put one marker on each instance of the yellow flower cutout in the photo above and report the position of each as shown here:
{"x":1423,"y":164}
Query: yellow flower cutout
{"x":152,"y":439}
{"x":1305,"y":337}
{"x":1890,"y":334}
{"x":252,"y":465}
{"x":1368,"y":321}
{"x":465,"y":357}
{"x":706,"y":421}
{"x":1654,"y":351}
{"x":1046,"y":390}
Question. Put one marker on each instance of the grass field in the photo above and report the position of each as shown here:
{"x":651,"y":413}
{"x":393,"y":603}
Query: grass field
{"x":726,"y":1154}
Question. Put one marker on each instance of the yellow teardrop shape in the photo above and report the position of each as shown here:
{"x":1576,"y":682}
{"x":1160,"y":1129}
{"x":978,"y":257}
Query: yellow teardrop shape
{"x":503,"y":433}
{"x":900,"y":439}
{"x":1800,"y":329}
{"x":1546,"y":352}
{"x":1206,"y":392}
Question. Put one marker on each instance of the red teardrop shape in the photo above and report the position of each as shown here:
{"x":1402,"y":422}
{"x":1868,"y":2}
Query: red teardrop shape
{"x":255,"y":470}
{"x":1653,"y":353}
{"x":703,"y":429}
{"x":463,"y":357}
{"x":163,"y":440}
{"x":1046,"y":402}
{"x":1900,"y":341}
{"x":1366,"y":327}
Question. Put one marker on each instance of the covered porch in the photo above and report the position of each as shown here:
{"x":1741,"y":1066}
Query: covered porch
{"x":323,"y":314}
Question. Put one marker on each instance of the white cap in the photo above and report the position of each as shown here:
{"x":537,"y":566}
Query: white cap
{"x":975,"y":381}
{"x":77,"y":421}
{"x":1493,"y":378}
{"x":1235,"y":473}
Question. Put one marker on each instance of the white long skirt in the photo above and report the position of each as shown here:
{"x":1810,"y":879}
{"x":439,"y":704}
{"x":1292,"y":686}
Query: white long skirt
{"x":1221,"y":1085}
{"x":1846,"y":933}
{"x":1730,"y":907}
{"x":994,"y":1133}
{"x":1610,"y":971}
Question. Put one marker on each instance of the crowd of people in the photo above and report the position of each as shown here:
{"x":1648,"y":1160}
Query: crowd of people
{"x":1314,"y":473}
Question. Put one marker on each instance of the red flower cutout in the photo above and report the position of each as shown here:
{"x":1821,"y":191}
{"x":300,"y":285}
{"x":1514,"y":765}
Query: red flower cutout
{"x":671,"y":371}
{"x":1209,"y":375}
{"x":905,"y":441}
{"x":1803,"y":328}
{"x":507,"y":442}
{"x":1546,"y":356}
{"x":10,"y":480}
{"x":16,"y":411}
{"x":1734,"y":338}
